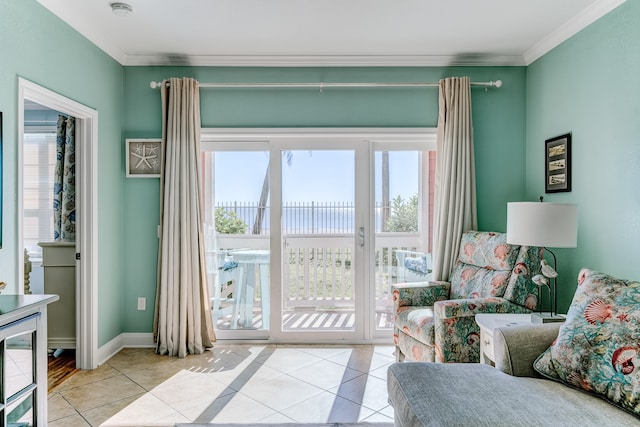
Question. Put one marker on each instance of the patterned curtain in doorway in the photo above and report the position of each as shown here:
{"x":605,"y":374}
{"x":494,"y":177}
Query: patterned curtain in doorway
{"x":64,"y":185}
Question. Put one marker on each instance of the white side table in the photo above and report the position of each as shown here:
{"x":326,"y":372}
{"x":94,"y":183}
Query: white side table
{"x":488,"y":322}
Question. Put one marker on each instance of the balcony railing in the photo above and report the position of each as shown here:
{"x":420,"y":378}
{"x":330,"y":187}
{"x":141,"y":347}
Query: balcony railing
{"x":317,"y":270}
{"x":317,"y":255}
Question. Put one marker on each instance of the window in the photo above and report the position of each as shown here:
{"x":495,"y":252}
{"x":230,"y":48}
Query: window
{"x":39,"y":167}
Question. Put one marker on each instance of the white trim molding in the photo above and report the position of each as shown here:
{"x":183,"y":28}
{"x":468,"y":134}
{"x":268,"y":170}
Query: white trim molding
{"x":576,"y":24}
{"x":266,"y":134}
{"x":324,"y":60}
{"x":125,"y":340}
{"x":76,"y":19}
{"x":109,"y":350}
{"x":87,"y":245}
{"x":362,"y":142}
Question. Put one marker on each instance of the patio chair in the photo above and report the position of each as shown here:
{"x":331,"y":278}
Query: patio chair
{"x":435,"y":321}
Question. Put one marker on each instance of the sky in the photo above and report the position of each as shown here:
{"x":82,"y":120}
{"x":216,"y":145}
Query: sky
{"x":318,"y":175}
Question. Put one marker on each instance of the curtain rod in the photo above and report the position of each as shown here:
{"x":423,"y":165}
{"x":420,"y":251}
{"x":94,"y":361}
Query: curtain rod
{"x":322,"y":85}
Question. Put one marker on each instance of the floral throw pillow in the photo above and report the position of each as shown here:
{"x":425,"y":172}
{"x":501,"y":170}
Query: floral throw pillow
{"x":598,"y":347}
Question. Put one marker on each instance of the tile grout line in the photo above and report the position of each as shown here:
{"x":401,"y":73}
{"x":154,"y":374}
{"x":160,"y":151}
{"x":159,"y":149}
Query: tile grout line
{"x":358,"y":358}
{"x":336,"y":412}
{"x":209,"y":413}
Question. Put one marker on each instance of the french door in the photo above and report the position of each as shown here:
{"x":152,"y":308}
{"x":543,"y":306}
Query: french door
{"x":301,"y":236}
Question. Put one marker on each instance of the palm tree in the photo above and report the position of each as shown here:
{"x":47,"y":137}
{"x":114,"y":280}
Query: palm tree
{"x":386,"y":208}
{"x":264,"y":195}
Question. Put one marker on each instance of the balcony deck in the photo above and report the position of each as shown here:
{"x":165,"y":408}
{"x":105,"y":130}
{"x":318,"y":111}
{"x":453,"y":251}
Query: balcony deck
{"x":312,"y":320}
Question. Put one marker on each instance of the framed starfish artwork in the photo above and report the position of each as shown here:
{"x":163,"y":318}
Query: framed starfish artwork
{"x":144,"y":158}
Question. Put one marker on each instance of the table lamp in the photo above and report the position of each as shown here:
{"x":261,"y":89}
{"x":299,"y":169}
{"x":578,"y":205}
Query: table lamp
{"x":545,"y":225}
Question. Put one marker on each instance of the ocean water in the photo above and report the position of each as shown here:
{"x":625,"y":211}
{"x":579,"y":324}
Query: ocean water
{"x":316,"y":218}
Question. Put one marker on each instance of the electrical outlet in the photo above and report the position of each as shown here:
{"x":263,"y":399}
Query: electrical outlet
{"x":142,"y":303}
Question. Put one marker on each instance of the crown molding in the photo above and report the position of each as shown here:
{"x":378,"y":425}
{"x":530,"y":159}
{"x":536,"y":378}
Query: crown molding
{"x":323,"y":60}
{"x":576,"y":24}
{"x":74,"y":18}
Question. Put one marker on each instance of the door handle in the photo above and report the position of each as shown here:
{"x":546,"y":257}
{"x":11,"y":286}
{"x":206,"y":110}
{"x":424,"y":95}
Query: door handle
{"x":361,"y":237}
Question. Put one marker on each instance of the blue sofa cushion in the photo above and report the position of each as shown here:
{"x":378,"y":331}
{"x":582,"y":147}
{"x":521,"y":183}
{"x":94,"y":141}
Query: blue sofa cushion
{"x":472,"y":394}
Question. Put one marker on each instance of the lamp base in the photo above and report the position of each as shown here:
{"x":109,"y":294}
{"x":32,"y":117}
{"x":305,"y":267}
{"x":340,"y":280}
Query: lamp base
{"x":547,"y":318}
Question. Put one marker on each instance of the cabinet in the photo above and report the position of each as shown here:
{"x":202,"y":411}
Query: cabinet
{"x":488,"y":323}
{"x":59,"y":263}
{"x":23,"y":359}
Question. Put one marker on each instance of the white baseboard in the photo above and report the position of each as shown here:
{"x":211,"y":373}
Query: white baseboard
{"x":141,"y":340}
{"x":66,"y":343}
{"x":126,"y":340}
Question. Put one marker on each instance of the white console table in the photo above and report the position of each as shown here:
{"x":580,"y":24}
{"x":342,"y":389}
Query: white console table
{"x":23,"y":348}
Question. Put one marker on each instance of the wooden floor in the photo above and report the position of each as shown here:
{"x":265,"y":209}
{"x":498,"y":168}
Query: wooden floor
{"x":61,"y":368}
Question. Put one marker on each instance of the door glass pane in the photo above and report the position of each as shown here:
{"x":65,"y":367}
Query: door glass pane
{"x":318,"y":225}
{"x":404,"y":185}
{"x":237,"y":238}
{"x":18,"y":363}
{"x":20,"y":412}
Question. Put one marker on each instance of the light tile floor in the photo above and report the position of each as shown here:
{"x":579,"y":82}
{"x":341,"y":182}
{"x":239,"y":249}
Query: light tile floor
{"x":229,"y":384}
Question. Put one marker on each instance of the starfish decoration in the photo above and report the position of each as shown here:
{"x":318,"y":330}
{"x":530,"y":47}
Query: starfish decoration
{"x":148,"y":156}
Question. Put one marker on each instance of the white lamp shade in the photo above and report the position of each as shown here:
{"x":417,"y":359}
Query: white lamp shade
{"x":552,"y":225}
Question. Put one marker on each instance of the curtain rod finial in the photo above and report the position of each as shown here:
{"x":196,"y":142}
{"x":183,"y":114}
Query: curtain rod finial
{"x":155,"y":85}
{"x":498,"y":83}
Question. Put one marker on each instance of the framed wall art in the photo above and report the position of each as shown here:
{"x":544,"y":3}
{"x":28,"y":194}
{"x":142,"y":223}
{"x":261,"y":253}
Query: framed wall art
{"x":144,"y":158}
{"x":557,"y":164}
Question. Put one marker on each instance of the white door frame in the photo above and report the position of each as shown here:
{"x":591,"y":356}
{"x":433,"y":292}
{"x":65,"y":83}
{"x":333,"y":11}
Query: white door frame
{"x":87,"y":212}
{"x":277,"y":139}
{"x":314,"y":142}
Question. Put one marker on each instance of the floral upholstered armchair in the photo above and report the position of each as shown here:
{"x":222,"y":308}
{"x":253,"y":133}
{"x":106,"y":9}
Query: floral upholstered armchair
{"x":435,"y":321}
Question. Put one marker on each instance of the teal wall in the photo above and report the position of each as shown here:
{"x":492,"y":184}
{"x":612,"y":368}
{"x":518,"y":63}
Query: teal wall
{"x":36,"y":45}
{"x":498,"y":116}
{"x":589,"y":86}
{"x":586,"y":86}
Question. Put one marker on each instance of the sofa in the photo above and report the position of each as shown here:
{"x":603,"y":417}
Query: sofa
{"x":578,"y":373}
{"x":434,"y":321}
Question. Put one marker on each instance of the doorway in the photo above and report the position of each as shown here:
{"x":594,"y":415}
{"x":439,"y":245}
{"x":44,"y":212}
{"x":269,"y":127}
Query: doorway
{"x":86,"y":210}
{"x":50,"y":264}
{"x":323,"y":239}
{"x":299,"y":246}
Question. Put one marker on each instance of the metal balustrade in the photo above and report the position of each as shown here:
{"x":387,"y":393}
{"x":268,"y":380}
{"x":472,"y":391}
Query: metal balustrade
{"x":305,"y":217}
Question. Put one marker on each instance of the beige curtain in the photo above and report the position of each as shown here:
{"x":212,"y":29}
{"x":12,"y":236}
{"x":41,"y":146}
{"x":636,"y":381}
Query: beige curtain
{"x":455,"y":192}
{"x":183,"y":323}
